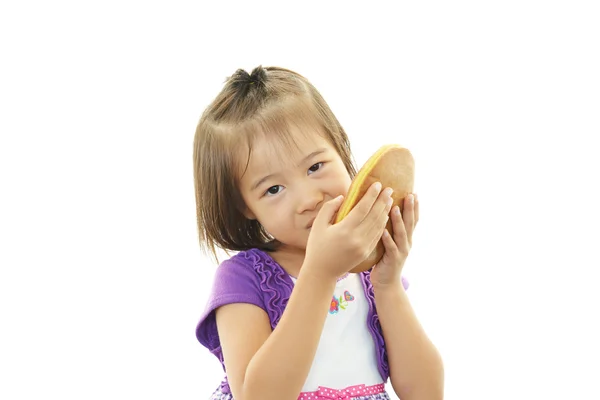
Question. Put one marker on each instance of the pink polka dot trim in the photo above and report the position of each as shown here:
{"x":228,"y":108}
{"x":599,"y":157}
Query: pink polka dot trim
{"x":324,"y":393}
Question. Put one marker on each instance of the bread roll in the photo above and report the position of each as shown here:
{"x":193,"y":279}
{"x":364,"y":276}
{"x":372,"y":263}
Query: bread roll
{"x":394,"y":167}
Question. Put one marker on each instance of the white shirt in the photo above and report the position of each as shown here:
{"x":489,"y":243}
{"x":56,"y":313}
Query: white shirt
{"x":346,"y":354}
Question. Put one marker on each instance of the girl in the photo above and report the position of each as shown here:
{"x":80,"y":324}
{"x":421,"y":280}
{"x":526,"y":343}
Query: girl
{"x":285,"y":318}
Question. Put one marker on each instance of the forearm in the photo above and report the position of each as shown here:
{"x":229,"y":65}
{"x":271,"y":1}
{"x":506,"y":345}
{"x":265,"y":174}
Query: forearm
{"x":280,"y":367}
{"x":416,"y":368}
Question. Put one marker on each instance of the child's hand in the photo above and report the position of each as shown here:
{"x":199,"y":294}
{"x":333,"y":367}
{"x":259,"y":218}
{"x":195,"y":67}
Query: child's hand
{"x":334,"y":249}
{"x":388,"y":270}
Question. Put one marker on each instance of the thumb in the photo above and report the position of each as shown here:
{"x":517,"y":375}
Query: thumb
{"x":328,"y":211}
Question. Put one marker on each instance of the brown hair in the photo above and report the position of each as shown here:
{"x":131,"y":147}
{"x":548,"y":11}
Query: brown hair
{"x":266,"y":102}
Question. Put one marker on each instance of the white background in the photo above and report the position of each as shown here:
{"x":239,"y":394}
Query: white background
{"x":102,"y":280}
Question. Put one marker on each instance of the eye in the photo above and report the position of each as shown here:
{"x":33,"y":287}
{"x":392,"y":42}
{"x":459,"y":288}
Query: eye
{"x":318,"y":165}
{"x":270,"y":191}
{"x":273,"y":190}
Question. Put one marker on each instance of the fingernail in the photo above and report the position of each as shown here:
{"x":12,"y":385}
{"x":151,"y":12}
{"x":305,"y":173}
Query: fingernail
{"x":397,"y":210}
{"x":388,"y":191}
{"x":411,"y":198}
{"x":378,"y":186}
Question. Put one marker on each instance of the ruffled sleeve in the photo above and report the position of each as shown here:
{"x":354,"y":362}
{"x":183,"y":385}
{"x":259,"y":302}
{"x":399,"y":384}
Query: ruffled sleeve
{"x":235,"y":281}
{"x":251,"y":277}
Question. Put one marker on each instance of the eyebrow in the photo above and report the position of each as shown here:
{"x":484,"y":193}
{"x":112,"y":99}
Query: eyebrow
{"x":308,"y":157}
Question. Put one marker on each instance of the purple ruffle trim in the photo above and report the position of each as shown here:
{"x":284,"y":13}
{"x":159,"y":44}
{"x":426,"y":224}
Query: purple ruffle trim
{"x":375,"y":326}
{"x":275,"y":284}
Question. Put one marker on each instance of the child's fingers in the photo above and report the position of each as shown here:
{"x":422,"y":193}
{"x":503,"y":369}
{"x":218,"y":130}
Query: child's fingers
{"x":364,"y":206}
{"x":400,"y":232}
{"x":416,"y":208}
{"x":408,"y":216}
{"x":391,"y":249}
{"x":372,"y":226}
{"x":327,"y":212}
{"x":377,"y":220}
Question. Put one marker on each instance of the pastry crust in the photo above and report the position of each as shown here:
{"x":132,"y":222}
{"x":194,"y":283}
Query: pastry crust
{"x":393,"y":166}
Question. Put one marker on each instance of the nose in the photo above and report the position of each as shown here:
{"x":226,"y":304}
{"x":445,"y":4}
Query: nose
{"x":310,"y":199}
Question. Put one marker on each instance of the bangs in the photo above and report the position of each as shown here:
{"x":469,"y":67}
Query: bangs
{"x":280,"y":127}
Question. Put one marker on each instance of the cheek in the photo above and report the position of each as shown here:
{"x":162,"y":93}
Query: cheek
{"x":343,"y":180}
{"x":346,"y":182}
{"x":274,"y":216}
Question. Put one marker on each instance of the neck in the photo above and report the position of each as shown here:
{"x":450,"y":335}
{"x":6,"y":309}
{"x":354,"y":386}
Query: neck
{"x":290,"y":260}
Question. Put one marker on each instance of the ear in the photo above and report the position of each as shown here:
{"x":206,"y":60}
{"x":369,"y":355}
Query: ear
{"x":248,"y":214}
{"x":241,"y":206}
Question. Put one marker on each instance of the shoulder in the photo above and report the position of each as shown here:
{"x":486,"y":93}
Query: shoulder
{"x":235,"y":276}
{"x":236,"y":280}
{"x":247,"y":271}
{"x":248,"y":277}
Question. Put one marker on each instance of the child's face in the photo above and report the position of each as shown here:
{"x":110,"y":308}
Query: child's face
{"x":296,"y":187}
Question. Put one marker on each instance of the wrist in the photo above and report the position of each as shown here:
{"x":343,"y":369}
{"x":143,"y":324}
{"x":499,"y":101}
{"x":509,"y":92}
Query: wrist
{"x":385,"y":289}
{"x":317,"y":274}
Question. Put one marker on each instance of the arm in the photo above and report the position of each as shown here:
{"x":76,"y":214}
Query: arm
{"x":416,"y":368}
{"x":274,"y":365}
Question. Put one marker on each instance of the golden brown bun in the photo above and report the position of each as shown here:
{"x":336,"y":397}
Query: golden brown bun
{"x":394,"y":167}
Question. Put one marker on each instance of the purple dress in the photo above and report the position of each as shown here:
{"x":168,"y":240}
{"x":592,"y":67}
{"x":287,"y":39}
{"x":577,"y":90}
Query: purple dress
{"x":254,"y":277}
